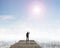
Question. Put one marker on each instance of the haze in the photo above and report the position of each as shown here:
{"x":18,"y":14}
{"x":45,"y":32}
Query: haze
{"x":40,"y":17}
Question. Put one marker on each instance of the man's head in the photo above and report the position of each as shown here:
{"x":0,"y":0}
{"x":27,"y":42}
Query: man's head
{"x":28,"y":32}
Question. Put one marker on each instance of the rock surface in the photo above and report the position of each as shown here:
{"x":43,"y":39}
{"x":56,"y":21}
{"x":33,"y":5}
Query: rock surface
{"x":25,"y":44}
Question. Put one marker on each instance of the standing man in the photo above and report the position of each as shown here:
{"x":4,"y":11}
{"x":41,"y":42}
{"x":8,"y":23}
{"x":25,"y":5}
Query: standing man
{"x":27,"y":36}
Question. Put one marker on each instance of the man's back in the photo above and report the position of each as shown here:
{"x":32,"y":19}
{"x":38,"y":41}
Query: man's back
{"x":27,"y":36}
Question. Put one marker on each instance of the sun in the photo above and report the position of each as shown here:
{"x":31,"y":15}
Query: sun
{"x":36,"y":10}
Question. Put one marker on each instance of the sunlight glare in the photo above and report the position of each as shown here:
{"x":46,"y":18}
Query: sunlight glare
{"x":36,"y":10}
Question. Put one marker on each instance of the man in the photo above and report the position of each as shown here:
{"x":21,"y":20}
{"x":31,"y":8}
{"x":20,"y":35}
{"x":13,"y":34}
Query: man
{"x":27,"y":36}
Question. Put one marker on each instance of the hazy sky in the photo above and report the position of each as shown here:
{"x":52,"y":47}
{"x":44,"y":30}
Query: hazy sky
{"x":16,"y":19}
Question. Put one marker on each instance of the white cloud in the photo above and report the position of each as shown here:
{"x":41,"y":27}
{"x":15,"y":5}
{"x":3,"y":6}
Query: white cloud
{"x":18,"y":29}
{"x":6,"y":17}
{"x":9,"y":34}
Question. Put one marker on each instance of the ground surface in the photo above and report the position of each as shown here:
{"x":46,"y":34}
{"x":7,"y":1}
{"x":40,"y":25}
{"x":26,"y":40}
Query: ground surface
{"x":25,"y":44}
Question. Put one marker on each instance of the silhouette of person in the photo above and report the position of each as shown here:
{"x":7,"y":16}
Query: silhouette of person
{"x":27,"y":36}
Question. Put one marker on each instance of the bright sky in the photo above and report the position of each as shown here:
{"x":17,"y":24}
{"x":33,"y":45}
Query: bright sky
{"x":40,"y":17}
